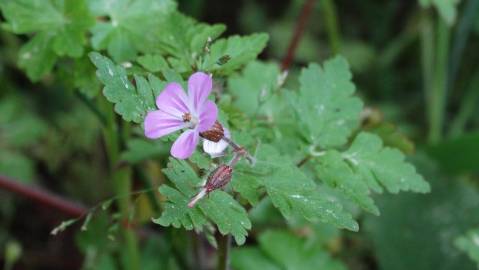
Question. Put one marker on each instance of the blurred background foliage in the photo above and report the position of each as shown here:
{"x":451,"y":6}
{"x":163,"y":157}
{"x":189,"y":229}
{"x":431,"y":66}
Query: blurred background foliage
{"x":49,"y":137}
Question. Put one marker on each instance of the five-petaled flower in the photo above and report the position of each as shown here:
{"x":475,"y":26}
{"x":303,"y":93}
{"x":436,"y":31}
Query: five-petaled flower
{"x":178,"y":110}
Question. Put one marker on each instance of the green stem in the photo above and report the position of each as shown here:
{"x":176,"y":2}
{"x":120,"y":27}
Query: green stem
{"x":427,"y":59}
{"x":331,"y":22}
{"x":122,"y":183}
{"x":224,"y":245}
{"x":463,"y":30}
{"x":147,"y":184}
{"x":394,"y":49}
{"x":439,"y":85}
{"x":468,"y":105}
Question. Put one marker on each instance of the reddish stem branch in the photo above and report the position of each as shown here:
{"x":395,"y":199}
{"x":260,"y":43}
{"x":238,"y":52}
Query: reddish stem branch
{"x":42,"y":197}
{"x":298,"y":33}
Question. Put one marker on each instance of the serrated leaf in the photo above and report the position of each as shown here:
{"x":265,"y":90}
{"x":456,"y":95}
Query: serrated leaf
{"x":59,"y":26}
{"x":293,"y":193}
{"x":254,"y":85}
{"x":333,"y":170}
{"x":130,"y":102}
{"x":469,"y":243}
{"x":219,"y":207}
{"x":131,"y":25}
{"x":240,"y":49}
{"x":153,"y":62}
{"x":383,"y":166}
{"x":325,"y":105}
{"x":184,"y":40}
{"x":283,"y":250}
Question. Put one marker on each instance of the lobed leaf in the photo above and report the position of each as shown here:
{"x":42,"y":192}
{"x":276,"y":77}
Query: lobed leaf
{"x":325,"y":105}
{"x":381,"y":166}
{"x":131,"y":27}
{"x":239,"y":50}
{"x":333,"y":170}
{"x":60,"y":28}
{"x":292,"y":192}
{"x":283,"y":250}
{"x":130,"y":102}
{"x":256,"y":84}
{"x":219,"y":207}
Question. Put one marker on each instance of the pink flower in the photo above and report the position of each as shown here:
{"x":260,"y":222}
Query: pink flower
{"x":178,"y":110}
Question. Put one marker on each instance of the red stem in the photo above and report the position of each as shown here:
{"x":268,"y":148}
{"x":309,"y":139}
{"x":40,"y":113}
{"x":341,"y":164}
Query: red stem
{"x":298,"y":33}
{"x":42,"y":197}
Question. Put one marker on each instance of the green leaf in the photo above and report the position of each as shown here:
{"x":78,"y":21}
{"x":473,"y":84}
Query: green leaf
{"x":184,"y":40}
{"x":428,"y":222}
{"x":469,"y":243}
{"x":139,"y":150}
{"x":283,"y":250}
{"x":37,"y":57}
{"x":59,"y":26}
{"x":247,"y":185}
{"x":293,"y":193}
{"x":251,"y":258}
{"x":17,"y":166}
{"x":130,"y":102}
{"x":468,"y":147}
{"x":84,"y":78}
{"x":254,"y":85}
{"x":218,"y":207}
{"x":132,"y":26}
{"x":19,"y":127}
{"x":325,"y":105}
{"x":446,"y":8}
{"x":241,"y":50}
{"x":383,"y":166}
{"x":333,"y":170}
{"x":153,"y":62}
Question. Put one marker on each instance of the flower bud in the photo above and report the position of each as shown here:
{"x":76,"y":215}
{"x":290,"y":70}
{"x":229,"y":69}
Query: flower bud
{"x":219,"y":178}
{"x":216,"y":180}
{"x":215,"y":133}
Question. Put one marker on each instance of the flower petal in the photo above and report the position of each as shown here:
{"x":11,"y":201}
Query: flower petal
{"x":199,"y":87}
{"x":185,"y":145}
{"x":159,"y":123}
{"x":216,"y":149}
{"x":208,"y":116}
{"x":173,"y":100}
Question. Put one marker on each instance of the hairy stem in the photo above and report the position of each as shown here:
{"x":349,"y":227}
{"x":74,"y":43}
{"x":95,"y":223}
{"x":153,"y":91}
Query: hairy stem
{"x":42,"y":197}
{"x":122,"y":183}
{"x":224,"y":246}
{"x":298,"y":33}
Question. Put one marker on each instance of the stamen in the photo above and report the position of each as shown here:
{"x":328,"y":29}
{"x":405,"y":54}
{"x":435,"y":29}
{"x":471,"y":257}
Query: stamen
{"x":186,"y":117}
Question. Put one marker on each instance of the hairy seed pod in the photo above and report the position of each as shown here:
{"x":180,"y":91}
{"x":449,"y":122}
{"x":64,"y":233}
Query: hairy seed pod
{"x":219,"y":178}
{"x":215,"y":133}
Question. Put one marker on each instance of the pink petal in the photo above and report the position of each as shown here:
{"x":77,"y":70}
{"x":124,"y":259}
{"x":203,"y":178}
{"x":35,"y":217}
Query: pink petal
{"x":173,"y":100}
{"x":185,"y":145}
{"x":208,"y":116}
{"x":199,"y":87}
{"x":159,"y":123}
